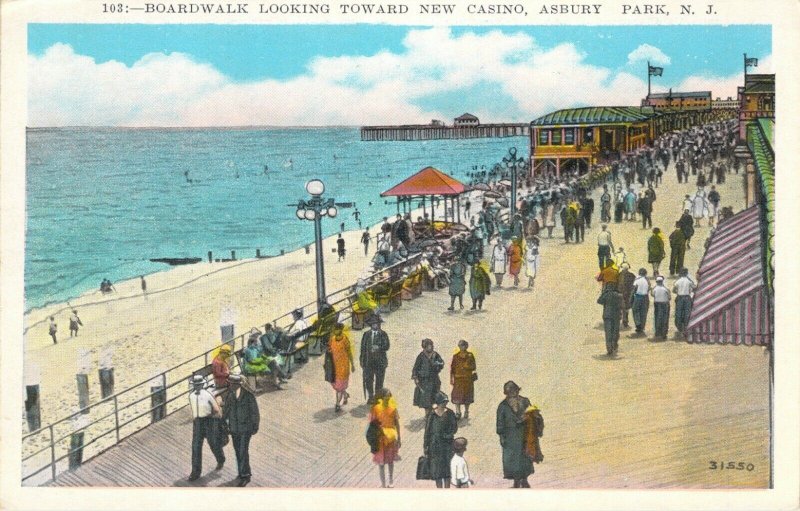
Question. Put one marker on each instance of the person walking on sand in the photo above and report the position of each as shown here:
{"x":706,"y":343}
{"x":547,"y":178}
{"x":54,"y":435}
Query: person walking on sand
{"x":677,"y":249}
{"x":440,"y":427}
{"x":511,"y":428}
{"x":384,"y":414}
{"x":340,"y":250}
{"x":74,"y":323}
{"x":365,"y":241}
{"x":515,"y":258}
{"x":499,"y":259}
{"x":205,"y":426}
{"x":425,"y":374}
{"x":625,"y":287}
{"x":611,"y":300}
{"x":52,"y":329}
{"x":462,"y":378}
{"x":342,"y":353}
{"x":699,"y":207}
{"x":532,"y":260}
{"x":604,"y":246}
{"x":241,"y":413}
{"x":144,"y":284}
{"x":713,"y":200}
{"x":687,"y":226}
{"x":479,"y":285}
{"x":683,"y":289}
{"x":372,"y":358}
{"x":655,"y":250}
{"x":458,"y":283}
{"x":641,"y":301}
{"x":661,"y":299}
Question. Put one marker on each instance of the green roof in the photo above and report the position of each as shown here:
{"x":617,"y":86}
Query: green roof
{"x":759,"y":140}
{"x":593,"y":115}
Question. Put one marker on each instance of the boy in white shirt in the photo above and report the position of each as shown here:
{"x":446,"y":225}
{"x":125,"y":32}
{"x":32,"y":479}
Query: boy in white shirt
{"x":459,"y":472}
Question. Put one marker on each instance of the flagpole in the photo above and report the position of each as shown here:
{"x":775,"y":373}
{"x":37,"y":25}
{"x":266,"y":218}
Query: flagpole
{"x":745,"y":67}
{"x":648,"y":80}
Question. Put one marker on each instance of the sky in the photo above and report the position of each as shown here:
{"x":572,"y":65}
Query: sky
{"x":322,"y":75}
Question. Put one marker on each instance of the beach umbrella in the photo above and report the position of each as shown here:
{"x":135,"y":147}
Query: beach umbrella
{"x":503,"y":202}
{"x":493,"y":194}
{"x":505,"y":182}
{"x":481,"y":186}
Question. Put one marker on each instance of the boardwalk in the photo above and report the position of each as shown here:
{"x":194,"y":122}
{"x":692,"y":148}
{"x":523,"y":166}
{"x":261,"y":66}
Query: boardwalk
{"x":654,"y":418}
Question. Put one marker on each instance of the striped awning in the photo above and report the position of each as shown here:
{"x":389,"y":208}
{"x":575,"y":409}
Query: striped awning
{"x":731,"y":304}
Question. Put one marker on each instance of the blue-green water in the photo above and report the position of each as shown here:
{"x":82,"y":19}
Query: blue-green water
{"x":102,"y":202}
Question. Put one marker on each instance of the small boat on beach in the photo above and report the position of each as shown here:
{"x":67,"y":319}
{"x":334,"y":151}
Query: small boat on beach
{"x":176,"y":261}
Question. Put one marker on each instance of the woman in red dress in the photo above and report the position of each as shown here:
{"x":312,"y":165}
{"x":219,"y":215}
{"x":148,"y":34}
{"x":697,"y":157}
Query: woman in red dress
{"x":462,"y":378}
{"x":384,"y":412}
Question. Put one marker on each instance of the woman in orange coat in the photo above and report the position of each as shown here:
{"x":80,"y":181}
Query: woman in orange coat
{"x":515,"y":258}
{"x":462,"y":378}
{"x":342,"y":351}
{"x":384,"y":413}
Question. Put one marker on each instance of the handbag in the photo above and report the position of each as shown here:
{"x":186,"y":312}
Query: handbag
{"x":330,"y":375}
{"x":424,"y":468}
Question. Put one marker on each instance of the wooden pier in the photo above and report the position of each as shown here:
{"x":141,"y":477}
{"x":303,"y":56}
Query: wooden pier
{"x":413,"y":132}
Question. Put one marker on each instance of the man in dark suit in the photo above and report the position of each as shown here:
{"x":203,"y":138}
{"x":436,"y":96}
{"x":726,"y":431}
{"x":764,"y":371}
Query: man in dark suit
{"x":611,"y":300}
{"x":241,"y":413}
{"x":374,"y":345}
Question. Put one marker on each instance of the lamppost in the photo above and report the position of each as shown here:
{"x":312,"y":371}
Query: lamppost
{"x":314,"y":209}
{"x":512,"y":162}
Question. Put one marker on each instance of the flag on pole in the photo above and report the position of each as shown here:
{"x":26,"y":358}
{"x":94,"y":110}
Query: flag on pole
{"x":751,"y":62}
{"x":655,"y":71}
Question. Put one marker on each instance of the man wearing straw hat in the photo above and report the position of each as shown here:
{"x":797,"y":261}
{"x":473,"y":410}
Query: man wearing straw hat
{"x":373,"y":360}
{"x":241,"y":414}
{"x":206,"y":413}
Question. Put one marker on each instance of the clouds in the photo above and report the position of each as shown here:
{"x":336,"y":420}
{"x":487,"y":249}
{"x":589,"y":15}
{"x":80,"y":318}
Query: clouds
{"x":646,"y":52}
{"x":437,"y":74}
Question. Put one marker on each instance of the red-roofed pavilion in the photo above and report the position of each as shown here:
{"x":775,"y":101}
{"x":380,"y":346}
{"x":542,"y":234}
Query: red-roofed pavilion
{"x":429,"y":182}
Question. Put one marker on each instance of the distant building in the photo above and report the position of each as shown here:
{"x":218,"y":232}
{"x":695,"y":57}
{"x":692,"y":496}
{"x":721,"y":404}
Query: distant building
{"x":466,"y":120}
{"x":678,"y":100}
{"x":721,"y":104}
{"x":437,"y":123}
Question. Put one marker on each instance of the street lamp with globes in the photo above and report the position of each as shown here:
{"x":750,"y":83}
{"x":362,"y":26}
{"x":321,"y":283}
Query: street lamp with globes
{"x":314,"y":209}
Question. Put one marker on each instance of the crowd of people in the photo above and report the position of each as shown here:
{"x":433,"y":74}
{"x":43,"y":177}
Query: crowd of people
{"x":494,"y":245}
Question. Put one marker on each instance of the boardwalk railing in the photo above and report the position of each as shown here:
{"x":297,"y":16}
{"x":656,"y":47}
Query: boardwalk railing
{"x":69,"y":441}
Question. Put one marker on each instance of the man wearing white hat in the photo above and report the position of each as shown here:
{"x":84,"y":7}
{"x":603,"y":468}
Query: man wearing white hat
{"x":661,"y":299}
{"x":207,"y":415}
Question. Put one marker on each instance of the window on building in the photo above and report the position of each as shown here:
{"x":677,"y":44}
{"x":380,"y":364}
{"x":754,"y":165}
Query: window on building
{"x":555,"y":137}
{"x":569,"y":136}
{"x":543,"y":137}
{"x":588,"y":136}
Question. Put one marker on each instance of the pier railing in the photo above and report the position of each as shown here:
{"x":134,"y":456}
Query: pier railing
{"x":66,"y":443}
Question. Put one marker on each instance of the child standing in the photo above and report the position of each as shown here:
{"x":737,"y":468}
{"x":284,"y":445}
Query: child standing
{"x":459,"y":472}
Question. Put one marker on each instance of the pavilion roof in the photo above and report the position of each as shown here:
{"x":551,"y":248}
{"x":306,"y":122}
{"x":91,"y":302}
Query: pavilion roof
{"x":593,"y":116}
{"x":428,"y":181}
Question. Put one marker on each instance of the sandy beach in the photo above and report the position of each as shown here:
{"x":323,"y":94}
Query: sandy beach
{"x":178,"y":319}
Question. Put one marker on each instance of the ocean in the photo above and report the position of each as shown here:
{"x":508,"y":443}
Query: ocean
{"x":101,"y":202}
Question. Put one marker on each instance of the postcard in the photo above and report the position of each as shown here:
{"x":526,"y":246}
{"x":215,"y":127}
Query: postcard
{"x":341,"y":255}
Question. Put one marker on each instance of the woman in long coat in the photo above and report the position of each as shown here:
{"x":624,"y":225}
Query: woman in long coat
{"x":458,"y":283}
{"x":440,"y":428}
{"x":515,"y":256}
{"x":426,"y":376}
{"x":342,"y":351}
{"x":479,"y":285}
{"x":511,"y":427}
{"x":655,"y":250}
{"x":462,"y":378}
